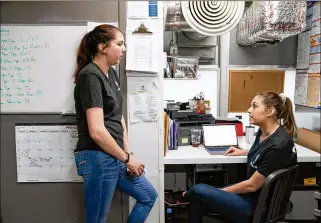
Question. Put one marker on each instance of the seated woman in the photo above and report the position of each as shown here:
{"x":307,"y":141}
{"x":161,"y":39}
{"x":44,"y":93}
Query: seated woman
{"x":273,"y":149}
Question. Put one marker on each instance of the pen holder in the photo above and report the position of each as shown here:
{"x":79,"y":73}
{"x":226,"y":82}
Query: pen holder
{"x":200,"y":107}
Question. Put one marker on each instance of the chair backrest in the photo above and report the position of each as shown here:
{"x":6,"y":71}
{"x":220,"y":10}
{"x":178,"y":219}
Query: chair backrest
{"x":275,"y":194}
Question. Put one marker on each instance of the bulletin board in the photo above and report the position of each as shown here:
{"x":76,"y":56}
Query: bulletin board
{"x":245,"y":84}
{"x":307,"y":89}
{"x":313,"y":93}
{"x":307,"y":81}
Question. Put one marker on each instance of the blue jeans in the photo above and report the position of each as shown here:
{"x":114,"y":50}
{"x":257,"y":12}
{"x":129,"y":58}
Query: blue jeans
{"x":206,"y":199}
{"x":102,"y":173}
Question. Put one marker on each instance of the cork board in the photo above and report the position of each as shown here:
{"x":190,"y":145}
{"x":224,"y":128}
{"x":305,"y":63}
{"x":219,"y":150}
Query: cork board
{"x":313,"y":92}
{"x":245,"y":84}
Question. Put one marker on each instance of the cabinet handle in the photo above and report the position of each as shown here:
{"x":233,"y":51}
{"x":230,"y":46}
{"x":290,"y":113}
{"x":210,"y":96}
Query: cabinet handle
{"x":317,"y":212}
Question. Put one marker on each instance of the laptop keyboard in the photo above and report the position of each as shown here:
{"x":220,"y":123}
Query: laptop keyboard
{"x":217,"y":151}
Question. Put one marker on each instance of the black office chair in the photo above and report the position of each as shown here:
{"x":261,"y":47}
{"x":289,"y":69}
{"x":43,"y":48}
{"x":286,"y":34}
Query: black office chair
{"x":274,"y":197}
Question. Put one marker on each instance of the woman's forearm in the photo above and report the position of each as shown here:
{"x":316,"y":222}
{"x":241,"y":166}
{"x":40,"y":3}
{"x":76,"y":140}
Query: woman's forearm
{"x":125,"y":135}
{"x":246,"y":152}
{"x":108,"y":144}
{"x":240,"y":188}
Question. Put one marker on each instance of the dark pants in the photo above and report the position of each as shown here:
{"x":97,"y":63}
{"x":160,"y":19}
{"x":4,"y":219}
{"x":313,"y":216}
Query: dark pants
{"x":206,"y":199}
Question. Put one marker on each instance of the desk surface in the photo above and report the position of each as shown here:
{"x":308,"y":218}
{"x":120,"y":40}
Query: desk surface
{"x":192,"y":155}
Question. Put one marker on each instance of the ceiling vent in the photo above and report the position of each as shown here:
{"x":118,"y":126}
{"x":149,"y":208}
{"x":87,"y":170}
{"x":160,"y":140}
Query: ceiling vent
{"x":210,"y":18}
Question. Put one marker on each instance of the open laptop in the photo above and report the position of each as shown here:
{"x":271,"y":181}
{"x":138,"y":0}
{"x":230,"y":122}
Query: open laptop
{"x":217,"y":138}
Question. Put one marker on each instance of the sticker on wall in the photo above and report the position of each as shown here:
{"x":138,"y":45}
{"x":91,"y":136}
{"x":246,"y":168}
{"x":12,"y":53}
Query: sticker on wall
{"x":152,"y":9}
{"x":310,"y":181}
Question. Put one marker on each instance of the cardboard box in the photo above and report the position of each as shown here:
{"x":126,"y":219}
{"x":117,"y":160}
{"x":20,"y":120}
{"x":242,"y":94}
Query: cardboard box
{"x":309,"y":139}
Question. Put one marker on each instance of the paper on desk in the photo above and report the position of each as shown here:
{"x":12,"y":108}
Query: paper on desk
{"x":142,"y":53}
{"x":144,"y":103}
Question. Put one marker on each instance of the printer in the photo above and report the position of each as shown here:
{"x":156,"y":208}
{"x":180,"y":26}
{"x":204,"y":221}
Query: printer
{"x":187,"y":120}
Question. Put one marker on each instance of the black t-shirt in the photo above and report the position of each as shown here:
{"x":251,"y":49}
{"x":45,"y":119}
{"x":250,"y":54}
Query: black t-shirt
{"x":276,"y":152}
{"x":94,"y":89}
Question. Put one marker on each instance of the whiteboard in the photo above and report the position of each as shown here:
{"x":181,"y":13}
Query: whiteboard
{"x":44,"y":153}
{"x":37,"y":65}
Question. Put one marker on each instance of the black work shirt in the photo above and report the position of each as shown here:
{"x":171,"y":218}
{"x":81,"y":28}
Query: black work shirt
{"x":94,"y":89}
{"x":274,"y":153}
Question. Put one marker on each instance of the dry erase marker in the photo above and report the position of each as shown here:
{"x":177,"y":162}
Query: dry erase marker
{"x":68,"y":113}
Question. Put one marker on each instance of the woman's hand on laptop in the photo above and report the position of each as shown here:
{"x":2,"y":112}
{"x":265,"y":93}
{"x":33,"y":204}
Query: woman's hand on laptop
{"x":233,"y":151}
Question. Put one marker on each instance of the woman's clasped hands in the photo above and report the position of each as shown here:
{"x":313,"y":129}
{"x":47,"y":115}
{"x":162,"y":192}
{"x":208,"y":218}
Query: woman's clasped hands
{"x":135,"y":167}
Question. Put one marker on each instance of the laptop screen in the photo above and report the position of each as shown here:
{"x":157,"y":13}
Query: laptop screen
{"x":219,"y":135}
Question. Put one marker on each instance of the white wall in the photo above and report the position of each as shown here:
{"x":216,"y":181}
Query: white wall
{"x":182,"y":90}
{"x":146,"y":139}
{"x":307,"y":118}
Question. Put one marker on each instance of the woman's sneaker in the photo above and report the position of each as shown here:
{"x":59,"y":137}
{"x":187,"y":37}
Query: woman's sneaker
{"x":175,"y":198}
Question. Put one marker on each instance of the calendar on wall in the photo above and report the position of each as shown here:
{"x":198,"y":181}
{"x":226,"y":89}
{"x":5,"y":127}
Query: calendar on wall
{"x":44,"y":153}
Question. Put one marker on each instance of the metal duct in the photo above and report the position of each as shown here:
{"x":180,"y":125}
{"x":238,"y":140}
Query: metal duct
{"x":210,"y":18}
{"x":269,"y":22}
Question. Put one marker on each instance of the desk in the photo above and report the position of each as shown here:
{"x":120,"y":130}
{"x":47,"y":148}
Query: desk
{"x":192,"y":155}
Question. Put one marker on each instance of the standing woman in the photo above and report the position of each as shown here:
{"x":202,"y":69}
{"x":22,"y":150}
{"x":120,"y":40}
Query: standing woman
{"x":102,"y":153}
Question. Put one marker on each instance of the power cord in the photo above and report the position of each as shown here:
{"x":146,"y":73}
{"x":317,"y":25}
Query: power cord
{"x":174,"y":179}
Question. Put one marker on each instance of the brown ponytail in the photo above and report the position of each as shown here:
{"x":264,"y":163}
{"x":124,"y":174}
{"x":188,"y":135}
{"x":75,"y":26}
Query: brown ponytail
{"x":287,"y":116}
{"x":89,"y":45}
{"x":284,"y":110}
{"x":83,"y":56}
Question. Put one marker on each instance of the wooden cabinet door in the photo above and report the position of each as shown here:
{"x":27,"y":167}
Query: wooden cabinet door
{"x":245,"y":84}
